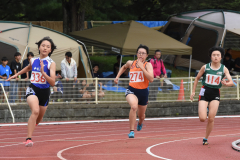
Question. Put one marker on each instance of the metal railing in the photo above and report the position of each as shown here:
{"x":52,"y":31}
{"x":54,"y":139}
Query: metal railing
{"x":104,"y":90}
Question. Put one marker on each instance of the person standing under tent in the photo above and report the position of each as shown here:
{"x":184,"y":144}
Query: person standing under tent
{"x":26,"y":76}
{"x":5,"y":72}
{"x":38,"y":92}
{"x":68,"y":70}
{"x":213,"y":74}
{"x":159,"y":72}
{"x":141,"y":73}
{"x":15,"y":85}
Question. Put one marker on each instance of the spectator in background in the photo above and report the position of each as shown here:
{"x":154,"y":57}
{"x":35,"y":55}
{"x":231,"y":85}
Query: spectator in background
{"x":69,"y":70}
{"x":5,"y":71}
{"x":159,"y":71}
{"x":91,"y":90}
{"x":26,"y":62}
{"x":81,"y":90}
{"x":237,"y":65}
{"x":116,"y":66}
{"x":15,"y":67}
{"x":57,"y":89}
{"x":26,"y":76}
{"x":95,"y":71}
{"x":227,"y":61}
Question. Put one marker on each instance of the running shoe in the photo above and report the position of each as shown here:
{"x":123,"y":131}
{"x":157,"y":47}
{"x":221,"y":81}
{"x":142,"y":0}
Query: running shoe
{"x":28,"y":143}
{"x":205,"y":142}
{"x":131,"y":134}
{"x":139,"y":127}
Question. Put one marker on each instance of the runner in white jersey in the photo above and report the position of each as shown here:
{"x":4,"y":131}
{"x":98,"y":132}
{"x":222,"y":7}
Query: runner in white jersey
{"x":38,"y":92}
{"x":213,"y":77}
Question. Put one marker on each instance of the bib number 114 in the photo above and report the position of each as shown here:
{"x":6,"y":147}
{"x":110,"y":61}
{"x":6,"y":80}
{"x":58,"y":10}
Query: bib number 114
{"x":213,"y":79}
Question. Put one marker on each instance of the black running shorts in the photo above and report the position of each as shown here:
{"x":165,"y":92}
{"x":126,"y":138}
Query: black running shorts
{"x":209,"y":94}
{"x":42,"y":94}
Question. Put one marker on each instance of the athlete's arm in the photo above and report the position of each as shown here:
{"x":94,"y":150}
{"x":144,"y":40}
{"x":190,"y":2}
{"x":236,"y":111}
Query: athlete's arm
{"x":148,"y":72}
{"x":123,"y":69}
{"x":51,"y":79}
{"x":230,"y":81}
{"x":200,"y":73}
{"x":24,"y":70}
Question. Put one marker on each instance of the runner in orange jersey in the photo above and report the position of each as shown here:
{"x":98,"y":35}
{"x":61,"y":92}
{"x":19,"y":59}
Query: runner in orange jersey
{"x":141,"y":73}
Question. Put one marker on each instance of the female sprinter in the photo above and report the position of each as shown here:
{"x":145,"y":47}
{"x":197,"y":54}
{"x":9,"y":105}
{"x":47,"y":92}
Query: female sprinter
{"x":213,"y":74}
{"x":38,"y":92}
{"x":141,"y":73}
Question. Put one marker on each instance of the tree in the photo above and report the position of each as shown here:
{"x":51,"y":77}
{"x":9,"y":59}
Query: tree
{"x":34,"y":10}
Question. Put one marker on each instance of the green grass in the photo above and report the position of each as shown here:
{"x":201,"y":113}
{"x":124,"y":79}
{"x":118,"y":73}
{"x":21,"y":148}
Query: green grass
{"x":106,"y":63}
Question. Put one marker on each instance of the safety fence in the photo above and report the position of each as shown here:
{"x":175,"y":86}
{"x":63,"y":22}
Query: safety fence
{"x":104,"y":90}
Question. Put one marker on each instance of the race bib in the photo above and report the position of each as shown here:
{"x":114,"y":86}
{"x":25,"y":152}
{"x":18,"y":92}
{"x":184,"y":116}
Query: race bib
{"x":212,"y":79}
{"x":202,"y":91}
{"x":37,"y":77}
{"x":136,"y":76}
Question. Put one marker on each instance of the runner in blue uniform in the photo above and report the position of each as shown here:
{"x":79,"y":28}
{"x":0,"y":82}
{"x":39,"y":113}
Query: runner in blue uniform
{"x":38,"y":93}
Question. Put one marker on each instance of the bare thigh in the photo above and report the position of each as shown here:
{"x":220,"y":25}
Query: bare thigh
{"x":202,"y":110}
{"x":132,"y":100}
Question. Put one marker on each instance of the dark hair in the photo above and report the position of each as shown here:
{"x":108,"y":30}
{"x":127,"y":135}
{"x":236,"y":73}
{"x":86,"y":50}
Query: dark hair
{"x":228,"y":49}
{"x":4,"y":59}
{"x":17,"y":54}
{"x":118,"y":57}
{"x":30,"y":54}
{"x":96,"y":65}
{"x":221,"y":50}
{"x":69,"y":54}
{"x":49,"y":40}
{"x":144,"y":47}
{"x":157,"y":51}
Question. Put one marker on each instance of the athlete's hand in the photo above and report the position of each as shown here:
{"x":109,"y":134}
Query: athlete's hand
{"x":12,"y":77}
{"x":192,"y":95}
{"x":42,"y":66}
{"x":224,"y":82}
{"x":139,"y":64}
{"x":116,"y":80}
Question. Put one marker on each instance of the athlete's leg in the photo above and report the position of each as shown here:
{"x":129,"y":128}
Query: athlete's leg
{"x":133,"y":102}
{"x":41,"y":113}
{"x":141,"y":113}
{"x":202,"y":110}
{"x":213,"y":107}
{"x":33,"y":103}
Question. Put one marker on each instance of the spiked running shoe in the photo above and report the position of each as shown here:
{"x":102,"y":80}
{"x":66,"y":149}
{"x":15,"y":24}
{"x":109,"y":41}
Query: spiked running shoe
{"x":28,"y":143}
{"x":131,"y":134}
{"x":139,"y":127}
{"x":205,"y":142}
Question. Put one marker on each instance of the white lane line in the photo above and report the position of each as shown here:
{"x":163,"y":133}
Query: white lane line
{"x":148,"y":150}
{"x":114,"y":120}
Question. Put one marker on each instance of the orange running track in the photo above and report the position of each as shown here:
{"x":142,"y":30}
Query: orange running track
{"x":178,"y":139}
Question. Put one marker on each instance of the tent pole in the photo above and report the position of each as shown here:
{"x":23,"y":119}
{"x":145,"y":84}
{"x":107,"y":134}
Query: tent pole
{"x":190,"y":62}
{"x":120,"y":64}
{"x":30,"y":25}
